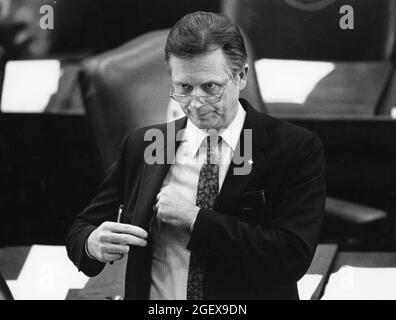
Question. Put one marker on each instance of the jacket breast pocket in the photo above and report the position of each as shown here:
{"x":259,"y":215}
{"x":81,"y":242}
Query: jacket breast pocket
{"x":252,"y":206}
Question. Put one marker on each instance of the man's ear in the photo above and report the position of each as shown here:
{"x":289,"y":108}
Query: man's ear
{"x":243,"y":77}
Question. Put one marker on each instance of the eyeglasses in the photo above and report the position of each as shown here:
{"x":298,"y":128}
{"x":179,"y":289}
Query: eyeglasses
{"x":212,"y":98}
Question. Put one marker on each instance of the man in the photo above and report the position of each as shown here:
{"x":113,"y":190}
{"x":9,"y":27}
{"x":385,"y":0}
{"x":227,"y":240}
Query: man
{"x":202,"y":227}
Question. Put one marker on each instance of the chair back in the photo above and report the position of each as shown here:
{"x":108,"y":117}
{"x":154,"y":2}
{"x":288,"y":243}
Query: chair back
{"x":311,"y":29}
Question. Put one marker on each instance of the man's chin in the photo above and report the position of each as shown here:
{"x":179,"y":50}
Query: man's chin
{"x":205,"y":124}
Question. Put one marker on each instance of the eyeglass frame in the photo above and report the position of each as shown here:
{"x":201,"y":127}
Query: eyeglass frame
{"x":192,"y":96}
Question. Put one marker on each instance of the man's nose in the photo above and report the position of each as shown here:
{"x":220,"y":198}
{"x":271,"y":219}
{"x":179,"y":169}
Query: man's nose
{"x":196,"y":100}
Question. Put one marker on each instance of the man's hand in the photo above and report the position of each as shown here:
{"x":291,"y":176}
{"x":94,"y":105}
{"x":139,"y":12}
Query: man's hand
{"x":174,"y":209}
{"x":111,"y":240}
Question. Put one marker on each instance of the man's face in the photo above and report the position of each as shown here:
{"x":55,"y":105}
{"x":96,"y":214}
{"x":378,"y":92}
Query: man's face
{"x":200,"y":76}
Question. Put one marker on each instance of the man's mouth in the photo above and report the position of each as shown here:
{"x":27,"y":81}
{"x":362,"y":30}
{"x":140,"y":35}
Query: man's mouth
{"x":204,"y":114}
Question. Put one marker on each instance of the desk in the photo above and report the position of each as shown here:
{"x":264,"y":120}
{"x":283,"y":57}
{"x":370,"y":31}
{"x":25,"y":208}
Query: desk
{"x":362,"y":276}
{"x":24,"y":265}
{"x":351,"y":90}
{"x":110,"y":282}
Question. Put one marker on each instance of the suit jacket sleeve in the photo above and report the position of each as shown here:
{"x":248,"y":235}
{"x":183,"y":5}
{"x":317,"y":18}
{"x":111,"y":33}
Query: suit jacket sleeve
{"x":103,"y":207}
{"x":283,"y":252}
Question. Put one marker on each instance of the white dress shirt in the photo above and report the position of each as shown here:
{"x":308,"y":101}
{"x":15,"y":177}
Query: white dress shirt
{"x":169,"y":272}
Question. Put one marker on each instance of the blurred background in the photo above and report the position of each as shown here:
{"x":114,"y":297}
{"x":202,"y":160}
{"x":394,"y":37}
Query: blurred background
{"x":69,"y":94}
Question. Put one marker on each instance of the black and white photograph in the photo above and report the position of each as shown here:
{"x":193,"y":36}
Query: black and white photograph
{"x":220,"y":151}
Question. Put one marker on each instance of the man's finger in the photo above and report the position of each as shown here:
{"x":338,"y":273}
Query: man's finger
{"x":115,"y":249}
{"x":165,"y":190}
{"x":124,"y":239}
{"x":108,"y":257}
{"x":128,"y":229}
{"x":159,"y":195}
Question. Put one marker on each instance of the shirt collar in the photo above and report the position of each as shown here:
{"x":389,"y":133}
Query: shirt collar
{"x":230,"y":135}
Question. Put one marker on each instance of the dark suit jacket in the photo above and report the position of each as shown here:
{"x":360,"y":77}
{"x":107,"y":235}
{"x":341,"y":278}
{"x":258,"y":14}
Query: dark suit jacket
{"x":261,"y":236}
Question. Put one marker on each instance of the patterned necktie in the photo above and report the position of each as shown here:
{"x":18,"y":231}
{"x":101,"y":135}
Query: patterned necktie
{"x":207,"y":191}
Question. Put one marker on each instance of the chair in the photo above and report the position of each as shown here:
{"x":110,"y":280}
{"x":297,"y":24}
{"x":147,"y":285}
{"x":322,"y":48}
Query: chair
{"x":128,"y":87}
{"x":354,"y":226}
{"x":310,"y":30}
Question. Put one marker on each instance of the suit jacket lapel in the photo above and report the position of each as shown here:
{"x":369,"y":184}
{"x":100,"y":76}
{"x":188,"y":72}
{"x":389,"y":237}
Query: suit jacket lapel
{"x":153,"y":177}
{"x":235,"y":184}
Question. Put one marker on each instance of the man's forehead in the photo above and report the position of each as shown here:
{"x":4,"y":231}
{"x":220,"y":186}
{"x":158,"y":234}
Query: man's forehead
{"x":213,"y":53}
{"x":209,"y":65}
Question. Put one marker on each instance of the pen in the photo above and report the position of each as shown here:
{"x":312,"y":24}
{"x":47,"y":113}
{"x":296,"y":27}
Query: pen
{"x":119,"y":213}
{"x":118,"y":220}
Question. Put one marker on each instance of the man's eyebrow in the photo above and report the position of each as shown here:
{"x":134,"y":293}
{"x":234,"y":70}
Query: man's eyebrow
{"x":210,"y":82}
{"x":180,"y":82}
